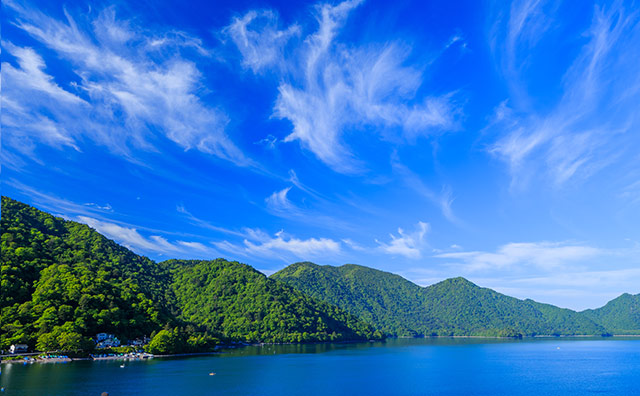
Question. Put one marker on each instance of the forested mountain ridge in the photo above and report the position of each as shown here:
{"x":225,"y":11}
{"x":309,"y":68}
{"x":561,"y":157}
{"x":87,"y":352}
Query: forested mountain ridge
{"x":621,"y":315}
{"x":242,"y":303}
{"x":390,"y":302}
{"x":63,"y":282}
{"x":464,"y":307}
{"x":454,"y":306}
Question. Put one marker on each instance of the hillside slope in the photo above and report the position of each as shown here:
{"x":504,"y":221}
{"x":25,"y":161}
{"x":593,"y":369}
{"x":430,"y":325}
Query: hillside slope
{"x":390,"y":302}
{"x":242,"y":303}
{"x":452,"y":307}
{"x":620,"y":315}
{"x":63,"y":282}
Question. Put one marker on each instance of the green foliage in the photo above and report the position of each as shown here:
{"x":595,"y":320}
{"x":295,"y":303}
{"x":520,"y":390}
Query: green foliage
{"x":388,"y":301}
{"x":181,"y":340}
{"x":62,"y":282}
{"x":119,"y":350}
{"x":245,"y":305}
{"x":454,"y":307}
{"x":620,"y":315}
{"x":64,"y":338}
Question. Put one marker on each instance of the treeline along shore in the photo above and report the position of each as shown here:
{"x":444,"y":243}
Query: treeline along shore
{"x":64,"y":286}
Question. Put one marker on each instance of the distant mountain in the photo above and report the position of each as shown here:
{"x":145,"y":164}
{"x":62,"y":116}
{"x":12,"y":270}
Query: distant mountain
{"x":452,"y":307}
{"x":244,"y":304}
{"x":63,"y":282}
{"x":389,"y":302}
{"x":465,"y":308}
{"x":620,"y":315}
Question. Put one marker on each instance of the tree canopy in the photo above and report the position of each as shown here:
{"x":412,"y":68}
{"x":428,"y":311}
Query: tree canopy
{"x":454,"y":306}
{"x":63,"y":282}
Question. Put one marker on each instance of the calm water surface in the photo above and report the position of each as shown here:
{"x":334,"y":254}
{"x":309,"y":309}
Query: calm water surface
{"x":399,"y":367}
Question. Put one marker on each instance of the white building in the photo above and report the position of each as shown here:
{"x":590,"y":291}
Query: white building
{"x":18,"y":348}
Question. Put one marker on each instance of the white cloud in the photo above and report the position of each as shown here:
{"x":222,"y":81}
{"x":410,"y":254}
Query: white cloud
{"x":585,"y":130}
{"x":281,"y":245}
{"x":278,"y":201}
{"x":26,"y":88}
{"x":31,"y":74}
{"x":405,"y":244}
{"x":107,"y":207}
{"x":353,"y":245}
{"x":329,"y":87}
{"x":279,"y":204}
{"x":572,"y":289}
{"x":126,"y":91}
{"x":54,"y":204}
{"x":259,"y":39}
{"x":131,"y":238}
{"x":542,"y":255}
{"x":631,"y":193}
{"x":194,"y":246}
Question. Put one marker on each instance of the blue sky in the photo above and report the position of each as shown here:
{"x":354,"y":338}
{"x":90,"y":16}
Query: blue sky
{"x":492,"y":140}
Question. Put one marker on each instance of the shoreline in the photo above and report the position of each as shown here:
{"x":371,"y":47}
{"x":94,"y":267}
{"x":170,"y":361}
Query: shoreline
{"x":143,"y":356}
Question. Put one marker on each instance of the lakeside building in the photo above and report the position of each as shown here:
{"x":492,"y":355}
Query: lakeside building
{"x":18,"y":348}
{"x":106,"y":340}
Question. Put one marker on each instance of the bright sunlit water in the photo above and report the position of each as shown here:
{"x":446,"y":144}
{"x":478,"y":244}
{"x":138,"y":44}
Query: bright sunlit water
{"x":400,"y":367}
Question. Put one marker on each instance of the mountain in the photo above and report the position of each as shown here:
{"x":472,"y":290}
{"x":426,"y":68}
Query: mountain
{"x":63,"y":282}
{"x":620,"y":315}
{"x":455,"y":306}
{"x":244,"y":304}
{"x":388,"y":301}
{"x":465,"y":308}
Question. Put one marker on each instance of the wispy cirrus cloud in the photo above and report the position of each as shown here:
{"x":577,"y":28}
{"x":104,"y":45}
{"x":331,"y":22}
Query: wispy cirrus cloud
{"x":279,"y":203}
{"x":409,"y":245}
{"x":106,"y":207}
{"x":259,"y":38}
{"x":541,"y":255}
{"x":27,"y":88}
{"x":131,"y":238}
{"x":577,"y":289}
{"x":585,"y":130}
{"x":329,"y":87}
{"x":517,"y":28}
{"x":130,"y":87}
{"x":56,"y":205}
{"x":281,"y":245}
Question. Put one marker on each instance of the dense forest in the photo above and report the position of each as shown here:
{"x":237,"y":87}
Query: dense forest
{"x":244,"y":304}
{"x":621,"y":315}
{"x":455,"y":306}
{"x":63,"y":282}
{"x":391,"y":303}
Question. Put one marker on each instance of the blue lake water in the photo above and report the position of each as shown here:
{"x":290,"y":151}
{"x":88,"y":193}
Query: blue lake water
{"x":395,"y":367}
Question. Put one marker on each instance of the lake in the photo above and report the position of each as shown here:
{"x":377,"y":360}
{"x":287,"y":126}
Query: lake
{"x":397,"y":366}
